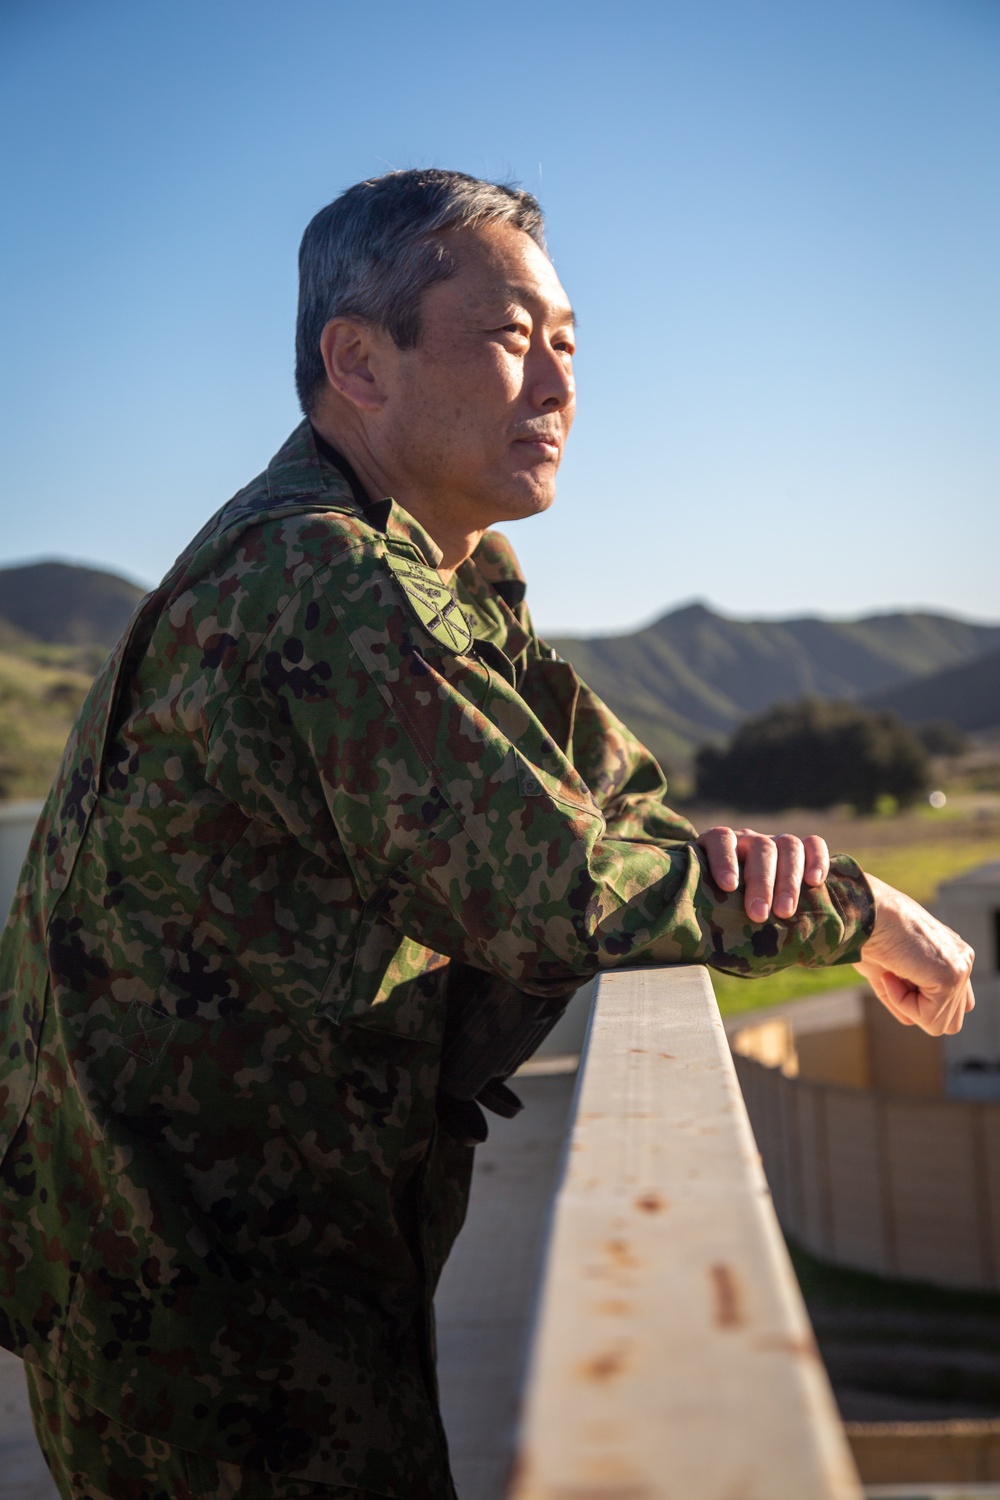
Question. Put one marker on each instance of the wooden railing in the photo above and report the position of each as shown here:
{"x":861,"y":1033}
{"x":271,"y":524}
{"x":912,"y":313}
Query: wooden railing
{"x":672,"y":1356}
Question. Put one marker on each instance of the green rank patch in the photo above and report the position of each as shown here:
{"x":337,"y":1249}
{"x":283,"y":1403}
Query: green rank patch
{"x":433,"y":603}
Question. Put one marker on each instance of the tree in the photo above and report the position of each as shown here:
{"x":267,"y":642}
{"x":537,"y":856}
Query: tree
{"x":814,"y":753}
{"x":940,"y":737}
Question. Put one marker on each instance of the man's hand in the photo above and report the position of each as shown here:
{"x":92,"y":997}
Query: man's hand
{"x":918,"y":967}
{"x":775,"y":869}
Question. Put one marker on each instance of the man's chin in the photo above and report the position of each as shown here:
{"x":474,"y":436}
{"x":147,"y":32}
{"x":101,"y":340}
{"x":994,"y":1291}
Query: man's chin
{"x":529,"y":498}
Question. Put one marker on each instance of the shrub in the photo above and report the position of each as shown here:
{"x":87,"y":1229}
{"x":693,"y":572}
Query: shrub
{"x":941,"y":738}
{"x":815,"y":753}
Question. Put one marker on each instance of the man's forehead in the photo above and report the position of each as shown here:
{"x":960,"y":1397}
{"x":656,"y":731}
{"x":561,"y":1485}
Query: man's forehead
{"x":502,"y":264}
{"x":524,"y":292}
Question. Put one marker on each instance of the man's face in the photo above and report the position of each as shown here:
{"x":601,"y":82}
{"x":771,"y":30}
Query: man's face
{"x":478,"y":413}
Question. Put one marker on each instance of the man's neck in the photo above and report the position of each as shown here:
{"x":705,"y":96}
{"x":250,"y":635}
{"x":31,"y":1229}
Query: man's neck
{"x":334,"y":456}
{"x":455,"y":540}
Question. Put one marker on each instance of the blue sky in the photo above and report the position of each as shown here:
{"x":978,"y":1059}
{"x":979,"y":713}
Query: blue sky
{"x":779,"y":223}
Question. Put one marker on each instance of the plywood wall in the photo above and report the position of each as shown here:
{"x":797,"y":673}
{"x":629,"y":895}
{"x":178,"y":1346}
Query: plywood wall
{"x":904,"y":1187}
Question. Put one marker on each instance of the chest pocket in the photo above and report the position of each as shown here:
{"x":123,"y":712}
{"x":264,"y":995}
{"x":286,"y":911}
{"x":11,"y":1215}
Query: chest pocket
{"x":551,"y":689}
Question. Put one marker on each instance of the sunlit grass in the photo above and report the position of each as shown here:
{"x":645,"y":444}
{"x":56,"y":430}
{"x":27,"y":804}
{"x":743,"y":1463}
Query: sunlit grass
{"x":919,"y":868}
{"x":735,"y":995}
{"x":38,"y":703}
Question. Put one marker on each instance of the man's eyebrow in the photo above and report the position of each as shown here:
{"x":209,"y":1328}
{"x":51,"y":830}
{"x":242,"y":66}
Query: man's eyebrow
{"x":508,"y":293}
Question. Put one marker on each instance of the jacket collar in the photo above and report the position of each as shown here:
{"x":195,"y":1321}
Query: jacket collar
{"x":299,"y":470}
{"x":304,"y":468}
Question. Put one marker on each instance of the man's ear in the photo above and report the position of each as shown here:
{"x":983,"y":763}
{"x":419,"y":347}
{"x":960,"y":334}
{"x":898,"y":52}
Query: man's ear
{"x":348,"y":346}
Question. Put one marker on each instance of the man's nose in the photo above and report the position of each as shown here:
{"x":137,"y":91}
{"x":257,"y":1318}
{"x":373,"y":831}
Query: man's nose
{"x":551,"y":386}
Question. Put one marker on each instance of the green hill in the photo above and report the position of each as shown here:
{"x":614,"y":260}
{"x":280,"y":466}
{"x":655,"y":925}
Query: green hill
{"x":967,"y":696}
{"x":39,"y":700}
{"x":690,"y":677}
{"x":693,"y":675}
{"x":65,"y":604}
{"x":57,"y":622}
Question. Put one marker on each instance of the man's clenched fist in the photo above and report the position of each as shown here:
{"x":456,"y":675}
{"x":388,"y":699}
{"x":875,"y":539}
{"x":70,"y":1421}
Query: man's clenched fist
{"x":918,"y":967}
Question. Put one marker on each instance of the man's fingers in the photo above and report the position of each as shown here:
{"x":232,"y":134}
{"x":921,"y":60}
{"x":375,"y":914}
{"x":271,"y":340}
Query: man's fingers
{"x":952,"y":1021}
{"x":719,"y":845}
{"x":937,"y":1019}
{"x":954,"y":1025}
{"x":897,"y":997}
{"x":964,"y":1002}
{"x":773,"y":869}
{"x":788,"y":875}
{"x":760,"y":864}
{"x":895,"y":994}
{"x":927,"y":1011}
{"x":817,"y":859}
{"x":934,"y":1014}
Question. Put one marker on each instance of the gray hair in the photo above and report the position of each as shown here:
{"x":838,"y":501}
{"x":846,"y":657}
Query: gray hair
{"x":374,"y":251}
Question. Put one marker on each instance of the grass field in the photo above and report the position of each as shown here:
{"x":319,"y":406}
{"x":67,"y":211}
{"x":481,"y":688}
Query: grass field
{"x":736,"y":995}
{"x":39,"y":699}
{"x":913,"y":851}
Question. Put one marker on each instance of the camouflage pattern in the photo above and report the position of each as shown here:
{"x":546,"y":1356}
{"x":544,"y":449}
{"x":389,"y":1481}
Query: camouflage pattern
{"x":92,"y":1457}
{"x":288,"y":802}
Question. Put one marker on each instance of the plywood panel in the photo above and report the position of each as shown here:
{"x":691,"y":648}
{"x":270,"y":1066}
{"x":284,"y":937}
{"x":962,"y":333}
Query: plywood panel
{"x":922,"y":1454}
{"x":790,"y":1211}
{"x":839,"y":1057}
{"x":932,"y":1177}
{"x":904,"y":1060}
{"x":814,"y":1227}
{"x":762,"y":1095}
{"x":784,"y":1127}
{"x":903,"y":1186}
{"x":988,"y":1131}
{"x":859,"y":1231}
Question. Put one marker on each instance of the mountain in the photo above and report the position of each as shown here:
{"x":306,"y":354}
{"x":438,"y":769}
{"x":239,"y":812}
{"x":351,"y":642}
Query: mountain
{"x":689,"y":677}
{"x":693,"y":675}
{"x":64,"y":603}
{"x":967,"y":696}
{"x":57,"y":622}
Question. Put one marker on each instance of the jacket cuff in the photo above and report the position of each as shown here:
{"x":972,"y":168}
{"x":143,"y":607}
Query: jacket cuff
{"x":852,"y":896}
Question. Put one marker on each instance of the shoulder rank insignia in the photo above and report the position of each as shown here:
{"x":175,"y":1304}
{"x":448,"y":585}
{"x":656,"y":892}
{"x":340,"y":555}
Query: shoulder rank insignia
{"x":433,"y":603}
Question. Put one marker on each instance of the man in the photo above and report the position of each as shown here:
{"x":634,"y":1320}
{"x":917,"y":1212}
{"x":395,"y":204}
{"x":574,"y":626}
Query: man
{"x":331,"y":813}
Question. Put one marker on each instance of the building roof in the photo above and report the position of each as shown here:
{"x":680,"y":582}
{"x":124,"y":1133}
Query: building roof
{"x":982,"y":875}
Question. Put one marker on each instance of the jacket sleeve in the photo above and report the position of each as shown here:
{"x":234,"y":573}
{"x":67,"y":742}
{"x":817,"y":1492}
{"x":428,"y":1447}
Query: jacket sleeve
{"x":625,"y":778}
{"x":467,"y":827}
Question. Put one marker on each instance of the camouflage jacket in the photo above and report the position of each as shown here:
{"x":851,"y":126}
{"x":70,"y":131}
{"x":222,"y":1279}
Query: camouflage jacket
{"x":307,"y":778}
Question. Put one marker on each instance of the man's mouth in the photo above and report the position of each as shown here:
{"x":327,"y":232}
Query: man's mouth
{"x":544,"y":444}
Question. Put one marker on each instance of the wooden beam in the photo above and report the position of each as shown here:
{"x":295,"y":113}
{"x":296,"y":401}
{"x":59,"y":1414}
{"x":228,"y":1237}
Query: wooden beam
{"x":672,"y":1357}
